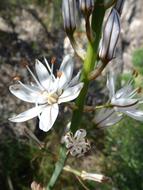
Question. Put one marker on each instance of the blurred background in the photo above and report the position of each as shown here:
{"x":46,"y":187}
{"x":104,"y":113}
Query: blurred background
{"x":31,"y":29}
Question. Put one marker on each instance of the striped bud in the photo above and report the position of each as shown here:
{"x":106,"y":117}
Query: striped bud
{"x":86,"y":6}
{"x":110,"y":37}
{"x":69,"y":15}
{"x":119,"y":6}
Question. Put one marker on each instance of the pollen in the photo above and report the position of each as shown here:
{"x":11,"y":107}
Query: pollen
{"x":59,"y":73}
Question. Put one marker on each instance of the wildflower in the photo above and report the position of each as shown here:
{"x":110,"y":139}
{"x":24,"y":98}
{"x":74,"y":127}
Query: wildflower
{"x":86,"y":6}
{"x":94,"y":177}
{"x":77,"y":145}
{"x":110,"y":37}
{"x":47,"y":92}
{"x":69,"y":15}
{"x":107,"y":117}
{"x":125,"y":100}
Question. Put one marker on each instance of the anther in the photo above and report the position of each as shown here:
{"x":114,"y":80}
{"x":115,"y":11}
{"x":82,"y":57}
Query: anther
{"x":16,"y":78}
{"x":59,"y":74}
{"x":24,"y":62}
{"x":53,"y":60}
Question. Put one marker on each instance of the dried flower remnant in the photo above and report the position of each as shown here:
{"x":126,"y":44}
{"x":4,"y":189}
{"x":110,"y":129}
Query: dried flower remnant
{"x":77,"y":144}
{"x":125,"y":100}
{"x":110,"y":37}
{"x":36,"y":186}
{"x":47,"y":92}
{"x":94,"y":177}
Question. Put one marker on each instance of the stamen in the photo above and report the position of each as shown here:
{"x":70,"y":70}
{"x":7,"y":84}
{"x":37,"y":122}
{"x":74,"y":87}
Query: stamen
{"x":53,"y":61}
{"x":24,"y":62}
{"x":50,"y":70}
{"x":38,"y":83}
{"x":25,"y":86}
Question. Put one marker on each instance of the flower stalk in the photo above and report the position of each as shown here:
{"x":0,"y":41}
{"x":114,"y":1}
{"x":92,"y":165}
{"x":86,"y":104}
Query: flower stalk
{"x":89,"y":64}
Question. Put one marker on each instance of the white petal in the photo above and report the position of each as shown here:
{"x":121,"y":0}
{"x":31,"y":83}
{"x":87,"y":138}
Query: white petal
{"x":111,"y":85}
{"x":103,"y":114}
{"x":66,"y":69}
{"x":48,"y":117}
{"x":135,"y":114}
{"x":43,"y":74}
{"x":26,"y":93}
{"x":124,"y":92}
{"x":113,"y":119}
{"x":124,"y":102}
{"x":75,"y":80}
{"x":70,"y":93}
{"x":29,"y":114}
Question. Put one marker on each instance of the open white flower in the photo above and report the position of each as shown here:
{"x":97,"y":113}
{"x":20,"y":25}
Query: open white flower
{"x":76,"y":144}
{"x":47,"y":92}
{"x":125,"y":100}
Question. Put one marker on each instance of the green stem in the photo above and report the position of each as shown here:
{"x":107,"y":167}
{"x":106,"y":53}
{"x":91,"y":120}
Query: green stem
{"x":88,"y":66}
{"x":89,"y":63}
{"x":58,"y":168}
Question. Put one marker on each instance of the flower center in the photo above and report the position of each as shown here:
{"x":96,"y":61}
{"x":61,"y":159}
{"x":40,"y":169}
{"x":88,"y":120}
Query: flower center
{"x":51,"y":98}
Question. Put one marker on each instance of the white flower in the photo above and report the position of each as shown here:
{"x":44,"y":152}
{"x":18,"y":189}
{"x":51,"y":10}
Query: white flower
{"x":94,"y":177}
{"x":125,"y":100}
{"x":47,"y":92}
{"x":77,"y":145}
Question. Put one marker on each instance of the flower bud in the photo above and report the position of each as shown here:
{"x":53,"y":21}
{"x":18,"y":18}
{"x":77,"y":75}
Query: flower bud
{"x":86,"y":6}
{"x":69,"y":15}
{"x":110,"y":37}
{"x":119,"y":6}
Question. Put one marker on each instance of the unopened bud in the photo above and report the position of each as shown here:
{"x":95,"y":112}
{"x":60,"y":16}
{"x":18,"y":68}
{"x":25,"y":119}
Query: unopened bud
{"x":69,"y":15}
{"x":119,"y":6}
{"x":110,"y":37}
{"x":86,"y":6}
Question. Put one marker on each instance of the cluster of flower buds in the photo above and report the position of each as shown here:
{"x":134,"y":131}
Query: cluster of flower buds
{"x":77,"y":144}
{"x":86,"y":7}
